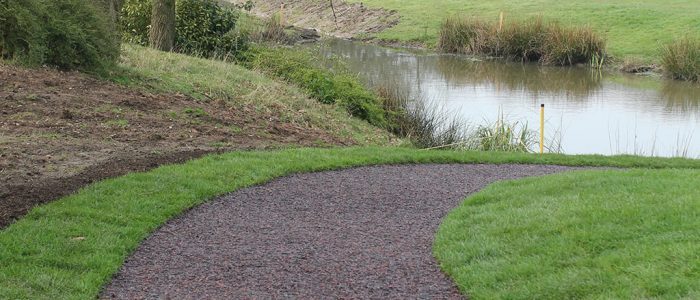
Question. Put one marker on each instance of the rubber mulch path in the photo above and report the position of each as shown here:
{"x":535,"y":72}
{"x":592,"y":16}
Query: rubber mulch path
{"x":358,"y":233}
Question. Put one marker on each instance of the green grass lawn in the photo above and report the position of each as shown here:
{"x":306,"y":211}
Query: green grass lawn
{"x":586,"y":235}
{"x":632,"y":28}
{"x":70,"y":248}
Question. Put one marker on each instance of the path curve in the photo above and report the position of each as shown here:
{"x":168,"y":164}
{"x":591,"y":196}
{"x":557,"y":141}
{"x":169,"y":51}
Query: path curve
{"x":358,"y":233}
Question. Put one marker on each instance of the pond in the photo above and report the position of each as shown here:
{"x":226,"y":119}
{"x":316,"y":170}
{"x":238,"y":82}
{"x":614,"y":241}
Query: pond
{"x":589,"y":111}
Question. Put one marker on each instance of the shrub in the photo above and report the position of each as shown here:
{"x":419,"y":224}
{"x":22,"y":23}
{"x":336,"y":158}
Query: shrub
{"x":203,"y":27}
{"x":681,"y":59}
{"x":135,"y":21}
{"x":68,"y":34}
{"x":532,"y":40}
{"x":326,"y":86}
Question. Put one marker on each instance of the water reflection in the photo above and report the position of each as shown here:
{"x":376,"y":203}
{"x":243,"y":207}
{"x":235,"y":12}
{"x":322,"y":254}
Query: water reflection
{"x":597,"y":112}
{"x":680,"y":97}
{"x":575,"y":84}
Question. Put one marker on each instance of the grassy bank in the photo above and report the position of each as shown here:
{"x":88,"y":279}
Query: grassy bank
{"x":327,"y":85}
{"x":632,"y":28}
{"x":70,"y":248}
{"x":594,"y":235}
{"x":216,"y":80}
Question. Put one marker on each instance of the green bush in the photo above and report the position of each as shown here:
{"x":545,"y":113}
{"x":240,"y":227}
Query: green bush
{"x":326,"y":86}
{"x":135,"y":21}
{"x":68,"y":34}
{"x":203,"y":27}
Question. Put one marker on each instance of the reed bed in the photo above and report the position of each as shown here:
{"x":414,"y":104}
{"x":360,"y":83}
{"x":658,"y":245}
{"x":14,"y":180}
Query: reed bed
{"x":425,"y":125}
{"x":429,"y":126}
{"x":533,"y":40}
{"x":681,"y":59}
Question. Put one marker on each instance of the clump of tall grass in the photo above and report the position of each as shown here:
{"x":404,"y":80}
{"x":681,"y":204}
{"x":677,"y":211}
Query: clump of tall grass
{"x":504,"y":136}
{"x":272,"y":30}
{"x":425,"y":125}
{"x":681,"y":59}
{"x":429,"y":126}
{"x":532,"y":40}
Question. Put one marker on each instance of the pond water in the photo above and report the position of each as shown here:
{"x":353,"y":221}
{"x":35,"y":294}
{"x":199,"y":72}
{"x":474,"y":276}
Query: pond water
{"x":591,"y":112}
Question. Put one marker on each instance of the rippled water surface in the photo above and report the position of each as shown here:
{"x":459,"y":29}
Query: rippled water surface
{"x":593,"y":112}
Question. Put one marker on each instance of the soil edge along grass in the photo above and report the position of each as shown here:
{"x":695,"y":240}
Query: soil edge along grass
{"x":70,"y":248}
{"x":60,"y":131}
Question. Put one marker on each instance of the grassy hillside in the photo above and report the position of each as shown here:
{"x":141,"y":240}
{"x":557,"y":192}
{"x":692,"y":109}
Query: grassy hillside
{"x":633,"y":28}
{"x":209,"y":80}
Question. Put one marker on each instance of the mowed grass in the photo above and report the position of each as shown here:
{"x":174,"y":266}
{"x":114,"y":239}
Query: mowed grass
{"x":632,"y":28}
{"x":70,"y":248}
{"x":619,"y":234}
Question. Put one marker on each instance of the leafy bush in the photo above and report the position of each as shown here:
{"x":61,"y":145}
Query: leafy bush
{"x":135,"y":21}
{"x":299,"y":68}
{"x":203,"y":27}
{"x":68,"y":34}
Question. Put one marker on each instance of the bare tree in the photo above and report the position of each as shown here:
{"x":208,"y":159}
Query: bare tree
{"x":335,"y":17}
{"x":162,"y":34}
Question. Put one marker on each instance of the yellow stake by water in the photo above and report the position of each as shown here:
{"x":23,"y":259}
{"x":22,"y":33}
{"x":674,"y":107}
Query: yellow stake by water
{"x":542,"y":128}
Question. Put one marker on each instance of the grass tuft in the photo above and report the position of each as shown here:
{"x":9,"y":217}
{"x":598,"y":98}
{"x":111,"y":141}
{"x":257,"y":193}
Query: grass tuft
{"x":423,"y":123}
{"x":533,"y":40}
{"x":681,"y":59}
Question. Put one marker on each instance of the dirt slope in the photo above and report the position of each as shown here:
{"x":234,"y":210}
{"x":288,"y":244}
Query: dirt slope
{"x":61,"y":131}
{"x":351,"y":19}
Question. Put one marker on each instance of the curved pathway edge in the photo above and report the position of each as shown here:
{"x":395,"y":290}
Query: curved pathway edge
{"x":364,"y":232}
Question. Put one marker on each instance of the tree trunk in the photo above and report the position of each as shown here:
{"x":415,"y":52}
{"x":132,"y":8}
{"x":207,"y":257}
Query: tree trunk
{"x":162,"y":34}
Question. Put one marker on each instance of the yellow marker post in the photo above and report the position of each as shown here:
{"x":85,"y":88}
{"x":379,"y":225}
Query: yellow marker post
{"x":542,"y":128}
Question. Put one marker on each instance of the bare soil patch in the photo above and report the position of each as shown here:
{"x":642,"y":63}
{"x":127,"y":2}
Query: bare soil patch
{"x":61,"y":131}
{"x":351,"y":19}
{"x":363,"y":233}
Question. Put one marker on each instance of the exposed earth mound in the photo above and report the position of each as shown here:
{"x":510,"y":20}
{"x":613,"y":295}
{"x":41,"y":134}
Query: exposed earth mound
{"x":61,"y":131}
{"x":349,"y":21}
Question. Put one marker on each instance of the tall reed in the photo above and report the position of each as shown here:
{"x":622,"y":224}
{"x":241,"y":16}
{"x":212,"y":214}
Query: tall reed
{"x":429,"y":126}
{"x":532,"y":40}
{"x":425,"y":125}
{"x":681,"y":59}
